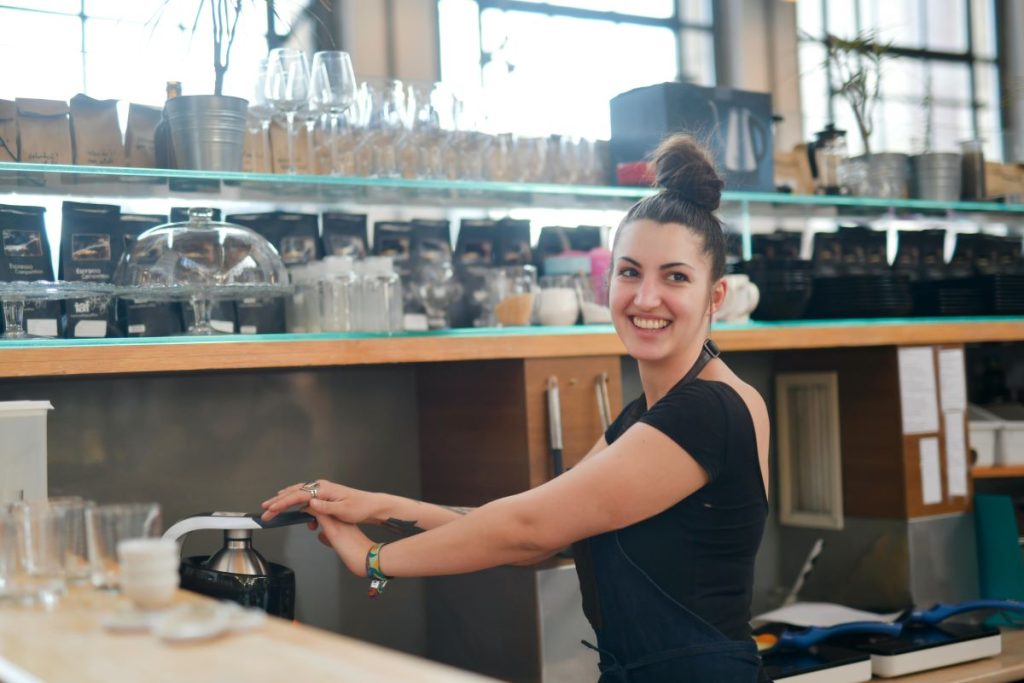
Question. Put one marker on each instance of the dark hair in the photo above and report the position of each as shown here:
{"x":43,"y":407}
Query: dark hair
{"x":691,"y":190}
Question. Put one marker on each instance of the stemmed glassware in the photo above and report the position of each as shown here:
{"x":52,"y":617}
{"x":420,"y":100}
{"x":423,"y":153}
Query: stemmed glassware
{"x":287,"y":89}
{"x":261,"y":112}
{"x":332,"y":92}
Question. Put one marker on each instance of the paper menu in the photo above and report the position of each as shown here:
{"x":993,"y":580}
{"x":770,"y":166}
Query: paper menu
{"x":931,"y":476}
{"x":918,"y":404}
{"x":819,"y":614}
{"x":956,"y":454}
{"x":953,"y":387}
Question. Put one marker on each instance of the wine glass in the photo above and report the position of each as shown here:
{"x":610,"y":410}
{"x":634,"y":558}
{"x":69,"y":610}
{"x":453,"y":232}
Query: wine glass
{"x":260,"y":114}
{"x":332,"y":91}
{"x":287,"y":89}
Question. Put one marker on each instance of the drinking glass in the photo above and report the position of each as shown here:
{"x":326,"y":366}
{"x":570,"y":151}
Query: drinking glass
{"x":332,"y":91}
{"x":41,"y":538}
{"x":76,"y":551}
{"x":10,"y":569}
{"x":287,"y":89}
{"x":108,"y":525}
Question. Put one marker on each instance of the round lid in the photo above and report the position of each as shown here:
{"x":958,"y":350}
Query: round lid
{"x":202,"y":255}
{"x":829,"y":133}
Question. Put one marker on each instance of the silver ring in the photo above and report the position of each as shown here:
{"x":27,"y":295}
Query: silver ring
{"x":312,"y":488}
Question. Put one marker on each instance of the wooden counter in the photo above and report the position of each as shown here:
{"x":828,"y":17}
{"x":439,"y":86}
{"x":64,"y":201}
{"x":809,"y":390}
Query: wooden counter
{"x":69,"y":644}
{"x":43,"y":358}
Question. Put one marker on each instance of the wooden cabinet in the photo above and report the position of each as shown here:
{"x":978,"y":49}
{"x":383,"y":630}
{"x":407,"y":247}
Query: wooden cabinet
{"x":484,"y":425}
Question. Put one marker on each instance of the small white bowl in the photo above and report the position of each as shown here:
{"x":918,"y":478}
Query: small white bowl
{"x":134,"y":549}
{"x":149,"y":593}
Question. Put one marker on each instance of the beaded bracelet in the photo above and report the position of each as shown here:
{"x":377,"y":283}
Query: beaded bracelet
{"x":377,"y":578}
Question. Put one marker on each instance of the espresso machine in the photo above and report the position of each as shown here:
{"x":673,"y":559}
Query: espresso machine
{"x":237,"y":572}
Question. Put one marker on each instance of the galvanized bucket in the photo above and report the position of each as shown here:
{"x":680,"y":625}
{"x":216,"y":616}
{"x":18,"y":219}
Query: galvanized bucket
{"x":207,"y":131}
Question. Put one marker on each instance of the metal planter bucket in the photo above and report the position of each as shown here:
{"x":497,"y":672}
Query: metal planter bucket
{"x":207,"y":131}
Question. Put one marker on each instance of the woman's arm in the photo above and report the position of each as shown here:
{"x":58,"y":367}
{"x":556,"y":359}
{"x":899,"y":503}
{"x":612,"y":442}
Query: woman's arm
{"x":638,"y":476}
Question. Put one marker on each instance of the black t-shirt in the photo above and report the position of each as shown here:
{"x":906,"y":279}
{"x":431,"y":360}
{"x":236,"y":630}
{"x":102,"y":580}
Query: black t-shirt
{"x":701,"y":550}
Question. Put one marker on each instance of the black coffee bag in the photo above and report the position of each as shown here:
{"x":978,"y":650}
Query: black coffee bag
{"x":26,"y":256}
{"x":90,"y":248}
{"x":344,"y":234}
{"x":513,"y":244}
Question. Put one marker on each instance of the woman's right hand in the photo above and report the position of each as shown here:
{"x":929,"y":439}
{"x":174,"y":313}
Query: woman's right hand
{"x":347,"y":504}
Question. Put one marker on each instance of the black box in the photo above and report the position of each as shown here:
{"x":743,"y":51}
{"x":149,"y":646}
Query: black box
{"x":90,"y":248}
{"x":735,"y":126}
{"x":26,"y":256}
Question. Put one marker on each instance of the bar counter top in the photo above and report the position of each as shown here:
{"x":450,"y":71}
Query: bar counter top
{"x":69,"y":644}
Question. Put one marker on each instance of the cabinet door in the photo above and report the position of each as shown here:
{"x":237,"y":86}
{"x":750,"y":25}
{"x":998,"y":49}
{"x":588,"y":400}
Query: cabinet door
{"x":484,"y":425}
{"x":578,"y":380}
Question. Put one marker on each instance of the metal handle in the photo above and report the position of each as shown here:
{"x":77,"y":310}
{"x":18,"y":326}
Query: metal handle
{"x":604,"y":408}
{"x":233,"y":520}
{"x":555,"y":425}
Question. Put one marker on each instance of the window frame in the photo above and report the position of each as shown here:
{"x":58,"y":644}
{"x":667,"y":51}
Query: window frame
{"x":968,"y":57}
{"x":273,"y":37}
{"x":674,"y":23}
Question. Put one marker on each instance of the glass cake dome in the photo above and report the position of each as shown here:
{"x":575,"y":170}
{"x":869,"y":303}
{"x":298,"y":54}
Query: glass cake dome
{"x":200,"y":261}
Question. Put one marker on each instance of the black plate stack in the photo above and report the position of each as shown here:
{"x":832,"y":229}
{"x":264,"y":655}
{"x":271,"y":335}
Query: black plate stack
{"x":984,"y":277}
{"x":852,"y":278}
{"x":783,"y":279}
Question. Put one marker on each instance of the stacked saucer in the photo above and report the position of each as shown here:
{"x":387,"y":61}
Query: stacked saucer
{"x":149,"y":571}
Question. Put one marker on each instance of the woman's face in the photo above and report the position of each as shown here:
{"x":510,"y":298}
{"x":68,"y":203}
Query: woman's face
{"x":661,"y":293}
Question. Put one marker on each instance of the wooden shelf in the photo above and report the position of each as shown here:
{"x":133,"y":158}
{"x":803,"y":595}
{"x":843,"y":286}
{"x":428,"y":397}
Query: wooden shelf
{"x":43,"y":358}
{"x":1004,"y":472}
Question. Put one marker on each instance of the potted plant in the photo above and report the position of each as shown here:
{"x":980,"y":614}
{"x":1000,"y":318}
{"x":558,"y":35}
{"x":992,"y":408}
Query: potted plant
{"x":207,"y":131}
{"x":855,"y":67}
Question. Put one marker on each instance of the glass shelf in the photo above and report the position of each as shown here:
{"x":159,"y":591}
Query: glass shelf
{"x":719,"y":329}
{"x":19,"y":178}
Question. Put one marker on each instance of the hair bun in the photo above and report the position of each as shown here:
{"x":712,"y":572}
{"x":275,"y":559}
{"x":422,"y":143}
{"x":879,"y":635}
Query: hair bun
{"x":683,"y":168}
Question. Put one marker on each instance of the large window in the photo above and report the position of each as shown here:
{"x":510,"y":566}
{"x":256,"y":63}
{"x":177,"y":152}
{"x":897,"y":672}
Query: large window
{"x":54,"y":49}
{"x":940,"y":81}
{"x":536,"y":68}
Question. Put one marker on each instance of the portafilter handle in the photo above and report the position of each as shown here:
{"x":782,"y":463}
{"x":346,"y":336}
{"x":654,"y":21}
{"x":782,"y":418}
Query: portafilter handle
{"x":234,"y":520}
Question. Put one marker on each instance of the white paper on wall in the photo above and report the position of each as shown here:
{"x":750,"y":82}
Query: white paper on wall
{"x":931,"y":477}
{"x":952,"y":386}
{"x":918,"y":402}
{"x":956,"y":454}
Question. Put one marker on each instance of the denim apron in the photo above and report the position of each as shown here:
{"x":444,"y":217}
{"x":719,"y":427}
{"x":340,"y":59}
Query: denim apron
{"x":643,"y":634}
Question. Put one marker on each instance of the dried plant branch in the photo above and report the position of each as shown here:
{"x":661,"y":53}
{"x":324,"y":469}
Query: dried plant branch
{"x":858,"y":65}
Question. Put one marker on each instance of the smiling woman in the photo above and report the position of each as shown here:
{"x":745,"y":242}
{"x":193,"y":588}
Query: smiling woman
{"x":668,"y":507}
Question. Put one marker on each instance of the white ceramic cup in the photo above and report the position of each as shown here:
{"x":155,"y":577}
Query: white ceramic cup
{"x":741,"y":298}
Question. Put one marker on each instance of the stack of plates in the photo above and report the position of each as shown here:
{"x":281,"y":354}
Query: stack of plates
{"x":1005,"y":292}
{"x":785,"y":286}
{"x":860,"y":296}
{"x":949,"y":297}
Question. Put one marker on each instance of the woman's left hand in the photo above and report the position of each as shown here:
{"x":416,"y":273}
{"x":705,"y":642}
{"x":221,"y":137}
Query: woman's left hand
{"x":347,"y":540}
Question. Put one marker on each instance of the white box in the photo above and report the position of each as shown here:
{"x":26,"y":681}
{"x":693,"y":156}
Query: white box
{"x":1010,"y":442}
{"x":23,"y":450}
{"x":983,"y":429}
